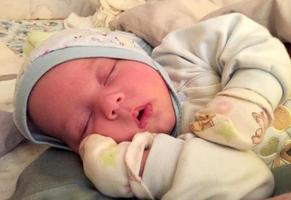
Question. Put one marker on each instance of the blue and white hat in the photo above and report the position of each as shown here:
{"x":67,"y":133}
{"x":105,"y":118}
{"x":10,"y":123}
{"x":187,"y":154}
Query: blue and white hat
{"x":73,"y":44}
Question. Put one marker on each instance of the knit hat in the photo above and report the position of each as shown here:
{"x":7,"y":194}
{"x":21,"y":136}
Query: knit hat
{"x":73,"y":44}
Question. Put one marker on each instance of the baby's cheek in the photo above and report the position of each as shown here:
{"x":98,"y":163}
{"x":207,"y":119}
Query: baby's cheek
{"x":73,"y":143}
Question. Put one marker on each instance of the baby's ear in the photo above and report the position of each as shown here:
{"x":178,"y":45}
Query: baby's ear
{"x":34,"y":39}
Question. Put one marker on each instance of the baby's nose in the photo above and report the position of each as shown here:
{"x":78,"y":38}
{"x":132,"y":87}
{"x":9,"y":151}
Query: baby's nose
{"x":112,"y":105}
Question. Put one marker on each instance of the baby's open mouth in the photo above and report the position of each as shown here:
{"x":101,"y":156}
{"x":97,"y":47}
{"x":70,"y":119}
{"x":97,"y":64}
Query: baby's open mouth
{"x":142,"y":114}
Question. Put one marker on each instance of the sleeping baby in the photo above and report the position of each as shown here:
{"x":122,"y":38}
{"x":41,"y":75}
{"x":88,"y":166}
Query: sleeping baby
{"x":182,"y":123}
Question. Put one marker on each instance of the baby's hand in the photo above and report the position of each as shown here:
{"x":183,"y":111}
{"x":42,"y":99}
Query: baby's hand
{"x":103,"y":163}
{"x":116,"y":169}
{"x":231,"y":121}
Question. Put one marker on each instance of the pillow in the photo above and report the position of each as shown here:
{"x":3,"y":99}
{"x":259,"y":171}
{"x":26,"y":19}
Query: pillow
{"x":273,"y":14}
{"x":153,"y":20}
{"x":43,"y":9}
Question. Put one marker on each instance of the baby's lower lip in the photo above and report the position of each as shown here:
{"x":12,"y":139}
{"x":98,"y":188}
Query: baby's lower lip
{"x":148,"y":110}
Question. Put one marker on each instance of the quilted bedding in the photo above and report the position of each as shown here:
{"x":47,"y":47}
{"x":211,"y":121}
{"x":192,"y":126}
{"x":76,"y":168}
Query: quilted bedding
{"x":13,"y":32}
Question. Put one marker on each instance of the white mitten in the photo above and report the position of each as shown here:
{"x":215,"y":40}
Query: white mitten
{"x":231,"y":121}
{"x":114,"y":168}
{"x":133,"y":160}
{"x":103,"y":163}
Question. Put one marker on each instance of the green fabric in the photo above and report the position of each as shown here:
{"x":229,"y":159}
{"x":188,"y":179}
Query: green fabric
{"x":34,"y":39}
{"x":56,"y":174}
{"x":282,"y":177}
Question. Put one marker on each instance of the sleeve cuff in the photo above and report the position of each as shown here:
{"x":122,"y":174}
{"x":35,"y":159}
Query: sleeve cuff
{"x":265,"y":85}
{"x":161,"y":163}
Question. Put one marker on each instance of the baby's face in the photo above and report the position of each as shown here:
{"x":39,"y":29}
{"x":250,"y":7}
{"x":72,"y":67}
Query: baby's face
{"x":115,"y":98}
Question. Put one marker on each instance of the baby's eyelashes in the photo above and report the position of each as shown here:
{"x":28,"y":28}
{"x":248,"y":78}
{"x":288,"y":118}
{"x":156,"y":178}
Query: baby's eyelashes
{"x":108,"y":77}
{"x":106,"y":74}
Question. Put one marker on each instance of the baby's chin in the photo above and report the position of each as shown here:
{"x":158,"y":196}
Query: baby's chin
{"x":121,"y":137}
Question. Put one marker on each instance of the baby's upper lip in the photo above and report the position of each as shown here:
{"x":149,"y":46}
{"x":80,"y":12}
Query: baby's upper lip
{"x":141,"y":115}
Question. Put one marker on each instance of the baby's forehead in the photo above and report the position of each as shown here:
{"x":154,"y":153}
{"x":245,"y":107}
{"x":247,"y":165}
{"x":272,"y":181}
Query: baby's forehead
{"x":89,"y":61}
{"x":83,"y":63}
{"x":86,"y":69}
{"x":96,"y":62}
